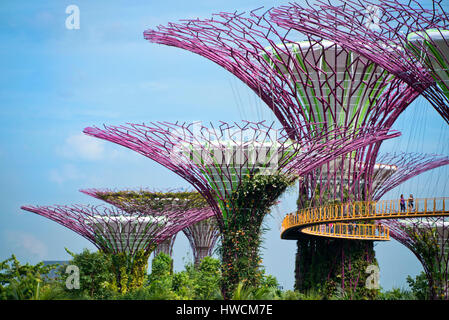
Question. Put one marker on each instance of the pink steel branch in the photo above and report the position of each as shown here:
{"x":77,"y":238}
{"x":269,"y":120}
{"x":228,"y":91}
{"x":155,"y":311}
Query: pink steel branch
{"x":113,"y":230}
{"x":248,"y":45}
{"x":202,"y":235}
{"x":407,"y":165}
{"x":241,"y":45}
{"x":166,"y":143}
{"x":382,"y":40}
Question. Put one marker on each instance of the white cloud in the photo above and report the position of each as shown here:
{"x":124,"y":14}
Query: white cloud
{"x":26,"y":243}
{"x":81,"y":146}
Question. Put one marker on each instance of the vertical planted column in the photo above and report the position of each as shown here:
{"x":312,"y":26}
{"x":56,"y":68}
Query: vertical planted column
{"x":321,"y":264}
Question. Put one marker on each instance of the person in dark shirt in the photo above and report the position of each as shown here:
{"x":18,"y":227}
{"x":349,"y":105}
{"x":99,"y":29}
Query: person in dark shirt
{"x":402,"y":203}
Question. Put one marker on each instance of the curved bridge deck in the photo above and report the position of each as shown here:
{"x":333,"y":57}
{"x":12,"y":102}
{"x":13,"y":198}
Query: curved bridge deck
{"x":338,"y":221}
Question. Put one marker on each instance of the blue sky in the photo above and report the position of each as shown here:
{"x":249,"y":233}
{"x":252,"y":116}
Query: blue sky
{"x":55,"y":82}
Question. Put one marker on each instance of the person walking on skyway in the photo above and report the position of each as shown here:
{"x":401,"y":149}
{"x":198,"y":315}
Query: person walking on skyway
{"x":410,"y":202}
{"x":402,"y":203}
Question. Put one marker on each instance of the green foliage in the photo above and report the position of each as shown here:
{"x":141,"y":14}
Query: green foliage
{"x":19,"y":282}
{"x":184,"y":285}
{"x":161,"y":266}
{"x":290,"y":295}
{"x":312,"y":294}
{"x":397,"y":294}
{"x":201,"y":283}
{"x":267,"y":289}
{"x":245,"y":292}
{"x":419,"y":286}
{"x":160,"y":281}
{"x":129,"y":269}
{"x":132,"y":201}
{"x":207,"y":278}
{"x":424,"y":243}
{"x":96,"y":276}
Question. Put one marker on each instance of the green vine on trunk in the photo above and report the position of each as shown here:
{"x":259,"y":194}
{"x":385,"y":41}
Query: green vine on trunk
{"x":130,"y":270}
{"x":241,"y":235}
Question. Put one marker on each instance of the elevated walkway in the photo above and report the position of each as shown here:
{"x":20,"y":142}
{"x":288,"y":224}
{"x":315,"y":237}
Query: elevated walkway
{"x":339,"y":220}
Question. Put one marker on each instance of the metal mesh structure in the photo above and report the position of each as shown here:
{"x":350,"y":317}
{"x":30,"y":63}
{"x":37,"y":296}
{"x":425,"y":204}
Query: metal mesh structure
{"x":166,"y":246}
{"x":216,"y":159}
{"x":428,"y":239}
{"x":405,"y":165}
{"x":227,"y":164}
{"x":142,"y":200}
{"x":406,"y":39}
{"x":202,"y":237}
{"x":113,"y":230}
{"x":308,"y":80}
{"x":305,"y":81}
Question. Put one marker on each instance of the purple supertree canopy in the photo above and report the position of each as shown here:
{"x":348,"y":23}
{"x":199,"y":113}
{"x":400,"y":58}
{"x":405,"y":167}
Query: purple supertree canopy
{"x":215,"y":159}
{"x":400,"y":36}
{"x":114,"y":230}
{"x":306,"y":81}
{"x":313,"y":80}
{"x":144,"y":199}
{"x":428,"y":239}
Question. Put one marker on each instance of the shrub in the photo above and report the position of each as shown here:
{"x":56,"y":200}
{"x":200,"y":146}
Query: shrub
{"x":96,"y":276}
{"x":19,"y":282}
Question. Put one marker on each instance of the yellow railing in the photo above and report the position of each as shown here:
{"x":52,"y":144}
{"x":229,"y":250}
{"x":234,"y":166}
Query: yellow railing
{"x":320,"y":220}
{"x":350,"y":231}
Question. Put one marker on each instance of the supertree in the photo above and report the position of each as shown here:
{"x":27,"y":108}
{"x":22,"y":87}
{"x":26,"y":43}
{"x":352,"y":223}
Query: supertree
{"x":403,"y":37}
{"x":127,"y":236}
{"x":202,"y":237}
{"x":240,"y":169}
{"x":144,"y":199}
{"x":407,"y":40}
{"x":428,"y":239}
{"x":302,"y":82}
